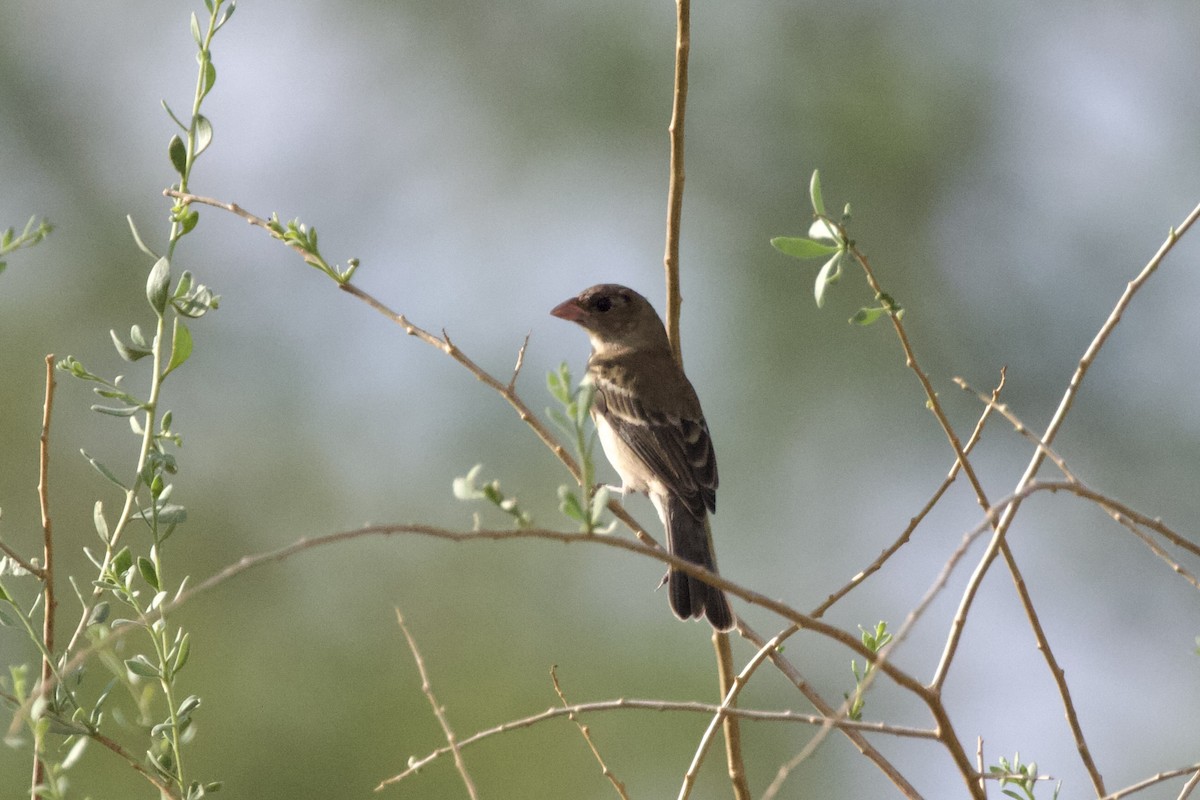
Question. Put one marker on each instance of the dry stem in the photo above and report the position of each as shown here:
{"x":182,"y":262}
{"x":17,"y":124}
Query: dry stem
{"x":438,"y":711}
{"x":47,"y":571}
{"x":587,"y":737}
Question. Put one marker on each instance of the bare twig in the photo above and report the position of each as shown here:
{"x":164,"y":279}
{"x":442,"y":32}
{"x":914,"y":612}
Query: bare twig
{"x":1110,"y":506}
{"x":683,"y":40}
{"x":24,"y":563}
{"x":855,"y":736}
{"x":730,"y":700}
{"x":512,"y":382}
{"x":167,"y":792}
{"x":438,"y":711}
{"x":906,"y":534}
{"x":1189,"y":787}
{"x":1153,"y":780}
{"x":721,"y":644}
{"x":50,"y":603}
{"x":620,"y":704}
{"x":587,"y":737}
{"x":1056,"y":422}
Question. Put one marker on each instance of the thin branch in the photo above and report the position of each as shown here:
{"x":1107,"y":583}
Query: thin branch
{"x":906,"y":534}
{"x":1111,"y":507}
{"x":1153,"y":780}
{"x":855,"y":736}
{"x":21,"y":561}
{"x":683,"y":41}
{"x":438,"y":711}
{"x":1189,"y":787}
{"x":730,"y":724}
{"x":721,"y":645}
{"x":730,"y":700}
{"x":621,"y":704}
{"x":50,"y":603}
{"x":512,"y":382}
{"x":1056,"y":422}
{"x":443,"y":344}
{"x":587,"y":737}
{"x":167,"y":792}
{"x":247,"y":563}
{"x":1056,"y":671}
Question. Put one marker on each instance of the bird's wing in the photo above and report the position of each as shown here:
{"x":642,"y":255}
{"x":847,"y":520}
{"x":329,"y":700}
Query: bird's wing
{"x":676,"y":448}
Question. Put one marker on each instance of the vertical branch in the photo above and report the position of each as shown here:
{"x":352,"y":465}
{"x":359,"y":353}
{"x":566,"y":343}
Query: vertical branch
{"x":438,"y":711}
{"x":675,"y":186}
{"x":727,"y":678}
{"x":47,"y":574}
{"x":683,"y":41}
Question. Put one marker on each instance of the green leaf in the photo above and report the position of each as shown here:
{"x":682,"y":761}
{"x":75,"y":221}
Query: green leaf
{"x":103,"y":470}
{"x":170,"y":514}
{"x":121,"y":563}
{"x":158,"y":285}
{"x":867,"y":316}
{"x":181,"y":346}
{"x":177,"y":152}
{"x":117,"y":394}
{"x":125,"y":351}
{"x":829,"y":274}
{"x":802,"y":248}
{"x":99,"y":613}
{"x":814,"y":193}
{"x":210,"y":77}
{"x":171,"y":114}
{"x":99,"y":521}
{"x":181,"y":657}
{"x":72,"y":365}
{"x":188,"y":221}
{"x":123,"y":411}
{"x":204,"y":134}
{"x":140,"y":665}
{"x":196,"y":31}
{"x":569,"y":504}
{"x":149,"y":573}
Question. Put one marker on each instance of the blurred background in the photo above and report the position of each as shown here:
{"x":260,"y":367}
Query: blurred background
{"x":1010,"y":167}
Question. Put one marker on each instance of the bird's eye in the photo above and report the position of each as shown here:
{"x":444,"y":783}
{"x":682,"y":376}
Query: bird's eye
{"x":603,"y":304}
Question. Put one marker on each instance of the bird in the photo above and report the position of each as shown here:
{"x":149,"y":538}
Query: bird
{"x":653,"y":432}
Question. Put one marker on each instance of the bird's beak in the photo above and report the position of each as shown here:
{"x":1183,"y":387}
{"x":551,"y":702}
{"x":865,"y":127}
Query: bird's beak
{"x":569,"y":310}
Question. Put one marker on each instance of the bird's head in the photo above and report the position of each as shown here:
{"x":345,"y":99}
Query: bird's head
{"x":614,"y":316}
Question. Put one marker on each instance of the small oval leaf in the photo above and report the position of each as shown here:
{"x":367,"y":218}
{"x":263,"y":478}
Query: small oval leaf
{"x":158,"y":285}
{"x":814,"y":193}
{"x":801,"y":247}
{"x":181,"y":346}
{"x":204,"y":133}
{"x":177,"y":151}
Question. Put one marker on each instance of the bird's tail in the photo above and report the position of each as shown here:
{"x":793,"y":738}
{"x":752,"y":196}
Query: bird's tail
{"x":688,"y":538}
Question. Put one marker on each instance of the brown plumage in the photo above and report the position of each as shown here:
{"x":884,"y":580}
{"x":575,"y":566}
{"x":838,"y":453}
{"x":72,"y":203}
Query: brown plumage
{"x":653,"y":432}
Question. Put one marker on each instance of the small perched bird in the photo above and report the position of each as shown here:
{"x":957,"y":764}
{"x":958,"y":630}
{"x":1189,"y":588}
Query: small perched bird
{"x":653,"y":432}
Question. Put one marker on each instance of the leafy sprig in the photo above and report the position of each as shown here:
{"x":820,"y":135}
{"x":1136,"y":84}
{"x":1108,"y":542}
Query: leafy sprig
{"x":827,"y":238}
{"x":35,"y":231}
{"x":467,"y":488}
{"x":874,"y":640}
{"x":1023,"y":776}
{"x":584,"y":504}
